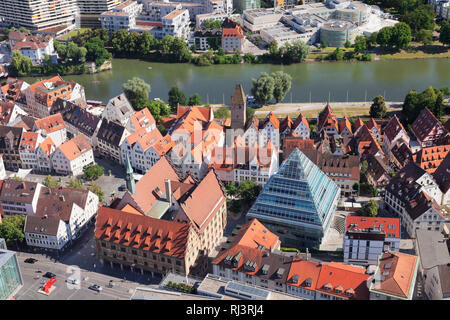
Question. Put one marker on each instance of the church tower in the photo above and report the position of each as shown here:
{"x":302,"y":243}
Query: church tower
{"x":131,"y":186}
{"x":238,"y":108}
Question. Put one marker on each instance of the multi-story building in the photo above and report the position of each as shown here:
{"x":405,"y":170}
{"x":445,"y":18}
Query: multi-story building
{"x":433,"y":249}
{"x":378,"y":173}
{"x":2,"y":168}
{"x":327,"y":121}
{"x":430,"y":158}
{"x":36,"y":48}
{"x":202,"y":38}
{"x":233,"y":39}
{"x":122,"y":16}
{"x":10,"y":113}
{"x":176,"y":24}
{"x":19,"y":197}
{"x":342,"y":169}
{"x":241,"y":5}
{"x":395,"y":277}
{"x":298,"y":202}
{"x":41,"y":96}
{"x":61,"y":215}
{"x":118,"y":109}
{"x":442,"y":177}
{"x":43,"y":155}
{"x":142,"y":119}
{"x":144,"y":243}
{"x":90,"y":11}
{"x":336,"y":33}
{"x":427,"y":128}
{"x":365,"y":238}
{"x":12,"y":89}
{"x":262,"y":131}
{"x":78,"y":120}
{"x":10,"y":276}
{"x":27,"y":149}
{"x":173,"y":201}
{"x":394,"y":134}
{"x":109,"y":139}
{"x":10,"y":138}
{"x":73,"y":156}
{"x":39,"y":14}
{"x":52,"y":126}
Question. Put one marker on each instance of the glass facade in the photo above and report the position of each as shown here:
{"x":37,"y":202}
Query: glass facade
{"x":10,"y":277}
{"x":298,"y":201}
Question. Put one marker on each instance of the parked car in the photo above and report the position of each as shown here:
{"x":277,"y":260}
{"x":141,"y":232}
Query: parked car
{"x":73,"y":281}
{"x":122,"y":188}
{"x":95,"y":287}
{"x":49,"y":275}
{"x":30,"y":260}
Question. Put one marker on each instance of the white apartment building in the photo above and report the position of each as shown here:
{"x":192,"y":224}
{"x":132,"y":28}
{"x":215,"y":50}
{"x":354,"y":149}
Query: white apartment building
{"x":39,"y":14}
{"x":97,"y":6}
{"x":73,"y":156}
{"x":36,"y":50}
{"x":122,"y":16}
{"x":61,"y":214}
{"x":201,"y":18}
{"x":19,"y":197}
{"x":110,"y":137}
{"x":366,"y":238}
{"x":52,"y":126}
{"x":2,"y":168}
{"x":27,"y":149}
{"x":10,"y":113}
{"x":43,"y":155}
{"x":176,"y":24}
{"x":261,"y":132}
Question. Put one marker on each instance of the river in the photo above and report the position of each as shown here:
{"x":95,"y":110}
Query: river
{"x":315,"y":82}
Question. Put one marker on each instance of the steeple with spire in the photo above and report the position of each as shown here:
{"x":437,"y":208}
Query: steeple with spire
{"x":131,"y":186}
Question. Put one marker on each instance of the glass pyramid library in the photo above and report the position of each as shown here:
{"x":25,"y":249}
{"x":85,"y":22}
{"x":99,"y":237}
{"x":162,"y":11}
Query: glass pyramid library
{"x":298,"y":202}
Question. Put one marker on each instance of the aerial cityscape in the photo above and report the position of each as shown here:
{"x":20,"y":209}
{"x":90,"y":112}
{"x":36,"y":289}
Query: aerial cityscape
{"x":225,"y":150}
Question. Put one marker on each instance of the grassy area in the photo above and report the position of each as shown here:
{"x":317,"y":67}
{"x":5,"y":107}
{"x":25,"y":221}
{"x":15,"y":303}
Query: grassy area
{"x":432,"y":51}
{"x":340,"y":112}
{"x":74,"y":33}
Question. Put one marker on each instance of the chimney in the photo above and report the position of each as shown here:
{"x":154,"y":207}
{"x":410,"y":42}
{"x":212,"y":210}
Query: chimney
{"x":168,"y":191}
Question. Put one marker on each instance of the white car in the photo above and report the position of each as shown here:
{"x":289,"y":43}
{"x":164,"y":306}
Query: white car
{"x":73,"y":281}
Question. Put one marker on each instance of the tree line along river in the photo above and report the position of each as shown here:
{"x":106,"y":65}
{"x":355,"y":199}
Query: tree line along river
{"x":315,"y":82}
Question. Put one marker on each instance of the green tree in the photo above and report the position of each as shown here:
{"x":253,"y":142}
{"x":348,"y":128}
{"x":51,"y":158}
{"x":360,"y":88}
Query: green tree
{"x":364,"y":167}
{"x":20,"y":65}
{"x":176,"y":97}
{"x":137,"y":90}
{"x":145,"y":43}
{"x":263,"y":87}
{"x":384,"y":37}
{"x":249,"y":112}
{"x":95,"y":51}
{"x":419,"y":19}
{"x":95,"y":188}
{"x":75,"y":183}
{"x":180,"y":50}
{"x":94,"y":171}
{"x":378,"y":108}
{"x":401,"y":35}
{"x":231,"y":189}
{"x":11,"y":228}
{"x":51,"y":182}
{"x":347,"y":44}
{"x":360,"y":44}
{"x":119,"y":41}
{"x":273,"y":48}
{"x":212,"y":24}
{"x":295,"y":52}
{"x":248,"y":191}
{"x":370,"y":209}
{"x":222,"y":112}
{"x":282,"y":85}
{"x":166,"y":45}
{"x":425,"y":36}
{"x":444,"y":35}
{"x":158,"y":109}
{"x":372,"y":40}
{"x":195,"y":100}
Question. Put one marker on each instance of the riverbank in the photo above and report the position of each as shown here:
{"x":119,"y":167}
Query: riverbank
{"x":310,"y":110}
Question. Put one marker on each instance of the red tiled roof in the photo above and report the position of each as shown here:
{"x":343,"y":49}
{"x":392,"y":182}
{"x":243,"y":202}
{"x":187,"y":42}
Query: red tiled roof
{"x":75,"y":147}
{"x":51,"y":123}
{"x":327,"y":119}
{"x":29,"y":141}
{"x":143,"y":232}
{"x":200,"y":212}
{"x":389,"y":225}
{"x":430,"y":158}
{"x":345,"y":123}
{"x":426,"y":125}
{"x":397,"y":272}
{"x":351,"y":285}
{"x":255,"y":235}
{"x":235,"y":32}
{"x":392,"y":129}
{"x":298,"y":120}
